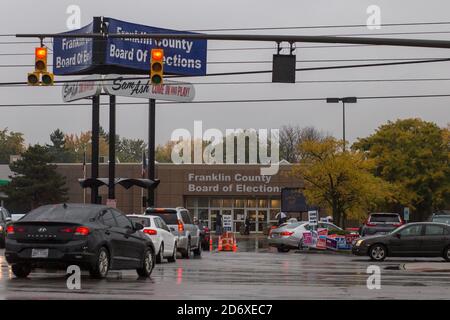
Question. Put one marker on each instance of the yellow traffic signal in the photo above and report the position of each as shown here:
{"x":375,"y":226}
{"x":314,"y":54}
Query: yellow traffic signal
{"x":40,"y":55}
{"x":156,"y":66}
{"x":40,"y":76}
{"x":47,"y":79}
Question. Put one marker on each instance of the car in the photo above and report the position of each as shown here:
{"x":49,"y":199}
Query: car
{"x":290,"y":235}
{"x":380,"y":223}
{"x":164,"y":241}
{"x":5,"y":220}
{"x":181,"y":225}
{"x":420,"y":239}
{"x":442,"y":217}
{"x":94,"y":237}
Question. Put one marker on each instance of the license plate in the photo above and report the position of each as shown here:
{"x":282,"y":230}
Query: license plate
{"x":39,"y":253}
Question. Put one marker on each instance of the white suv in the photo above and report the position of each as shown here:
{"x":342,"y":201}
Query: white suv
{"x":182,"y":226}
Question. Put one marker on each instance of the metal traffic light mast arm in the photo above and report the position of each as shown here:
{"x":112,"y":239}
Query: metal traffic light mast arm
{"x":247,"y":37}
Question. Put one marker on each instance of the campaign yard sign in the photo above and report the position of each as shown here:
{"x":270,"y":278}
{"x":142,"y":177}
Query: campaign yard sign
{"x":181,"y":56}
{"x":73,"y":55}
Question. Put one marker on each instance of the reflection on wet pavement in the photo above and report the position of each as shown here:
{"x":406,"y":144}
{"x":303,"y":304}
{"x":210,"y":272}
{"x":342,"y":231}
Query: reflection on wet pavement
{"x":255,"y":271}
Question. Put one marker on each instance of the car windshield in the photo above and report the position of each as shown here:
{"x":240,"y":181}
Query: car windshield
{"x":442,"y":219}
{"x":384,"y":218}
{"x":146,"y":222}
{"x":60,"y":214}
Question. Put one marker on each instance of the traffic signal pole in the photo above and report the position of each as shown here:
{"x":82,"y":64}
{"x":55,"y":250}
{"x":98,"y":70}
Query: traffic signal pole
{"x":95,"y":145}
{"x":151,"y":150}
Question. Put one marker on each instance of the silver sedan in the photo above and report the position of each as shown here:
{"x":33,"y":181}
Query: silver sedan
{"x":290,"y":235}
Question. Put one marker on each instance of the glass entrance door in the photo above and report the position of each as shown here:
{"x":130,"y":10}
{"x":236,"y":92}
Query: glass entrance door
{"x":252,"y":215}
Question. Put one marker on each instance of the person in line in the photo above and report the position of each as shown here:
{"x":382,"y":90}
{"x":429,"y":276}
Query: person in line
{"x":282,"y":217}
{"x":247,"y":225}
{"x":219,"y":224}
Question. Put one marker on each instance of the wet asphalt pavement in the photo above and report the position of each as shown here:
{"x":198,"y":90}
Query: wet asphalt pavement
{"x":254,"y":272}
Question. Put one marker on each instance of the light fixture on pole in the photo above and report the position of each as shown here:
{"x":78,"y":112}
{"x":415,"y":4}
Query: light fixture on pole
{"x":344,"y":101}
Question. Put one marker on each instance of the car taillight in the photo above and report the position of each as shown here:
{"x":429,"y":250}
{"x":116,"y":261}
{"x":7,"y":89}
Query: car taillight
{"x":180,"y":225}
{"x":286,"y":233}
{"x":369,"y":224}
{"x":82,"y":231}
{"x":150,"y":232}
{"x":66,"y":230}
{"x":13,"y":229}
{"x":399,"y":224}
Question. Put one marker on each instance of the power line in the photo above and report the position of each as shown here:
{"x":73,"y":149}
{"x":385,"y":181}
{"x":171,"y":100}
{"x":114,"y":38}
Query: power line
{"x":227,"y":101}
{"x":258,"y":71}
{"x":255,"y":71}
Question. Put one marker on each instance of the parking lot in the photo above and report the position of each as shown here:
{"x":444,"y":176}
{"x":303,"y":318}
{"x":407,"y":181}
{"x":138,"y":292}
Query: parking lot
{"x":254,"y":272}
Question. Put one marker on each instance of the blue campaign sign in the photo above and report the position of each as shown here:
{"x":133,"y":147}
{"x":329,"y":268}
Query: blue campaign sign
{"x":181,"y":56}
{"x":73,"y":55}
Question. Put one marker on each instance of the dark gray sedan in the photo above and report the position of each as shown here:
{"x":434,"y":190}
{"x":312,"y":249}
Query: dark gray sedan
{"x":424,"y":239}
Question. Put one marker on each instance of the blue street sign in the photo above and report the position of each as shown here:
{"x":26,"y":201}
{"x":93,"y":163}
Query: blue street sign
{"x":127,"y":55}
{"x":181,"y":56}
{"x":73,"y":55}
{"x":406,"y":214}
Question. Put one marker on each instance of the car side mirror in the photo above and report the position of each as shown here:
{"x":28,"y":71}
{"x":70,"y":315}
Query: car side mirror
{"x":138,"y":226}
{"x":8,"y":219}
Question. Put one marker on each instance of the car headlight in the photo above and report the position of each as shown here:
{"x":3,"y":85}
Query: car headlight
{"x":1,"y":228}
{"x":359,"y":242}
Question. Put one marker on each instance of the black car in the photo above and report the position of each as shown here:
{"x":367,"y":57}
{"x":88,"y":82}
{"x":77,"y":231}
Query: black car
{"x":5,"y":220}
{"x":94,"y":237}
{"x":423,"y":239}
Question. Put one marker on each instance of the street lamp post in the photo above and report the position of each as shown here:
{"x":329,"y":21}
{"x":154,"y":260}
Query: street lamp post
{"x":344,"y":101}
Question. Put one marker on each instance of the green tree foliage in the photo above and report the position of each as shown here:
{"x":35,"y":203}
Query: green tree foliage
{"x":415,"y":155}
{"x":58,"y":150}
{"x":11,"y":143}
{"x":130,"y":150}
{"x":35,"y":181}
{"x":340,"y":182}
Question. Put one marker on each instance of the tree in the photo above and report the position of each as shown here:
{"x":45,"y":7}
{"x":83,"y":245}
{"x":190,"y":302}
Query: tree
{"x":130,"y":150}
{"x":78,"y":144}
{"x":414,"y":154}
{"x":11,"y":143}
{"x":340,"y":182}
{"x":35,"y":181}
{"x":58,"y":149}
{"x":292,"y":136}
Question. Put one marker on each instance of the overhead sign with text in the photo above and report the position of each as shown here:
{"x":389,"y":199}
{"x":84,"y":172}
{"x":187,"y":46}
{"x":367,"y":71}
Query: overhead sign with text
{"x":75,"y":56}
{"x":181,"y":56}
{"x":129,"y":86}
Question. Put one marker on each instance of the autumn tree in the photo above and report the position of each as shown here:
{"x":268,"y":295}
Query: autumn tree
{"x":414,"y":154}
{"x":11,"y":143}
{"x":78,"y":144}
{"x":340,"y":182}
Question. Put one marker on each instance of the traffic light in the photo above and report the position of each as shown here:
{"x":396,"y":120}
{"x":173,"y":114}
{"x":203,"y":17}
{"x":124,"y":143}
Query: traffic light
{"x":156,"y":66}
{"x":40,"y":76}
{"x":40,"y":55}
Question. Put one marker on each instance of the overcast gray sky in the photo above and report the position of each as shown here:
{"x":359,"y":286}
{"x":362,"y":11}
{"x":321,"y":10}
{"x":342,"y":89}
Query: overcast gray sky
{"x":362,"y":118}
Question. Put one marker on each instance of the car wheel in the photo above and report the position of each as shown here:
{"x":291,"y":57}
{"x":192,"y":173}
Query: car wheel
{"x":377,"y":252}
{"x":21,"y":270}
{"x":101,"y":267}
{"x":283,"y":249}
{"x":160,"y":256}
{"x":173,"y":258}
{"x":447,"y":254}
{"x":187,"y":252}
{"x":148,"y":264}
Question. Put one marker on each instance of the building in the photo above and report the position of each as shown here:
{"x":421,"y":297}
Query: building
{"x":235,"y":190}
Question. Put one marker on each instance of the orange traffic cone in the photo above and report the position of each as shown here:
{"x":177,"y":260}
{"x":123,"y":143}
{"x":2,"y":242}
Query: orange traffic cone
{"x":219,"y":247}
{"x":234,"y":246}
{"x":210,"y":244}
